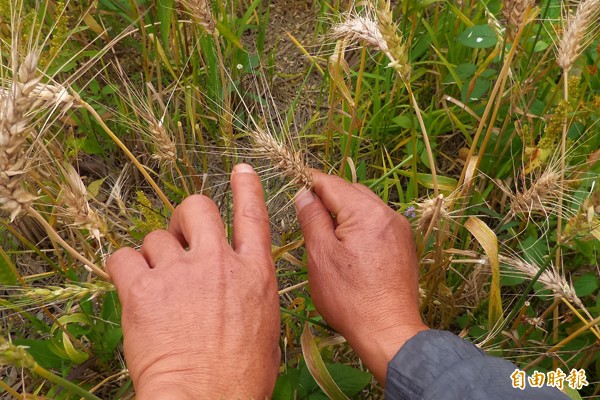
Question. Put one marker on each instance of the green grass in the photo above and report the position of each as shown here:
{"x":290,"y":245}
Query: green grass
{"x":145,"y":64}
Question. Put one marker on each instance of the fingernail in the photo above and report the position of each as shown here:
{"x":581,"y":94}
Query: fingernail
{"x":303,"y":198}
{"x":243,"y":169}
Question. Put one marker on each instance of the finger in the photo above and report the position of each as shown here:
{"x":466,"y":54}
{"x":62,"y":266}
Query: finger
{"x":196,"y":223}
{"x":315,"y":220}
{"x":337,"y":195}
{"x":125,"y":266}
{"x":364,"y":189}
{"x":160,"y":248}
{"x":251,"y":233}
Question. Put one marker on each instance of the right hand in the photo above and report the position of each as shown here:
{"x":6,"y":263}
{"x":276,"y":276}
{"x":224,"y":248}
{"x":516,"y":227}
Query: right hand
{"x":362,"y":268}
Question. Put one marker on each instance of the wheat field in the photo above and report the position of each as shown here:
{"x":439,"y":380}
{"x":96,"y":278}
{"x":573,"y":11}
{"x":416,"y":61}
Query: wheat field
{"x":477,"y":120}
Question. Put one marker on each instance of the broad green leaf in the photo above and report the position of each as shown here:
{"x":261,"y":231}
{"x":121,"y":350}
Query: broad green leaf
{"x":287,"y":385}
{"x":404,"y":121}
{"x":585,"y":284}
{"x":41,"y":352}
{"x":445,"y":184}
{"x":350,"y":380}
{"x":478,"y":37}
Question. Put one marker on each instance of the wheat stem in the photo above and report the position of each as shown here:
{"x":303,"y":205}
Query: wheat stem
{"x":127,"y":152}
{"x":56,"y":237}
{"x":563,"y":342}
{"x":585,"y":321}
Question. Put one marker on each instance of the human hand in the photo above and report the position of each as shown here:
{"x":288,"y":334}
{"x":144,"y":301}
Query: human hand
{"x":362,"y":268}
{"x":203,"y":322}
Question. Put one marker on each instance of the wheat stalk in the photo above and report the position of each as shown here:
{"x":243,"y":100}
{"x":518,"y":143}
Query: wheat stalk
{"x":382,"y":34}
{"x":579,"y":30}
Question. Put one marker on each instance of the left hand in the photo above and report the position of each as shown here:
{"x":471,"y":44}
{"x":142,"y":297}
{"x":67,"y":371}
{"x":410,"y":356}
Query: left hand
{"x":200,"y":318}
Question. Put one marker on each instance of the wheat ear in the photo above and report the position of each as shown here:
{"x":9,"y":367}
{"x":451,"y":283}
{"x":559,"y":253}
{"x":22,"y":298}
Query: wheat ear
{"x":382,"y":34}
{"x":514,"y":12}
{"x":24,"y":97}
{"x":542,"y":193}
{"x":578,"y":33}
{"x":202,"y":13}
{"x":290,"y":163}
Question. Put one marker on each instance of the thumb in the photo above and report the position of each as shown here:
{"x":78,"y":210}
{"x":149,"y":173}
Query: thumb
{"x":315,"y":220}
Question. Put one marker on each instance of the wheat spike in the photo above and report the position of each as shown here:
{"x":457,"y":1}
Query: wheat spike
{"x":396,"y":47}
{"x":380,"y":34}
{"x":578,"y":32}
{"x":540,"y":196}
{"x":432,"y":211}
{"x":15,"y":355}
{"x":550,"y":278}
{"x":290,"y":163}
{"x":14,"y":129}
{"x":165,"y":151}
{"x":68,"y":292}
{"x":77,"y":209}
{"x":202,"y":13}
{"x":514,"y":11}
{"x":23,"y":97}
{"x":361,"y":29}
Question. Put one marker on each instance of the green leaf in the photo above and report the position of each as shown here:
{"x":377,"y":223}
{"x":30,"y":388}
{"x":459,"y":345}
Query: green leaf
{"x":572,"y":393}
{"x":286,"y":385}
{"x":77,"y":356}
{"x":478,"y":37}
{"x":350,"y":380}
{"x":41,"y":352}
{"x":585,"y":284}
{"x":404,"y":121}
{"x":7,"y":274}
{"x":230,"y":36}
{"x":445,"y":184}
{"x":165,"y":13}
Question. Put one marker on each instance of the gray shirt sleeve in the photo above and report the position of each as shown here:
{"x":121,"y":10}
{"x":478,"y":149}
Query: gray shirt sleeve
{"x":440,"y":365}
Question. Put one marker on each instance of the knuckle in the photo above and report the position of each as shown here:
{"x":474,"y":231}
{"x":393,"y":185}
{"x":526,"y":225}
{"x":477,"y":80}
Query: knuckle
{"x":121,"y":256}
{"x":155,"y":237}
{"x":254,"y":212}
{"x":310,"y":216}
{"x":194,"y":202}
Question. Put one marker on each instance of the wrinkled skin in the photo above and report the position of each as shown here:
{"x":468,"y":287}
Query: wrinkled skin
{"x":201,"y":318}
{"x":362,"y":268}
